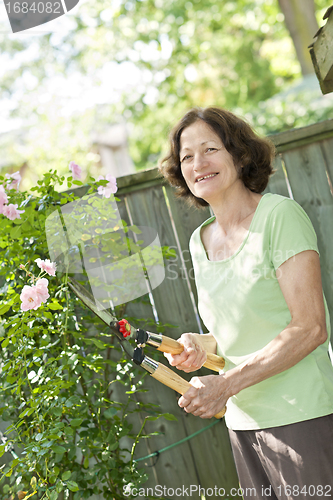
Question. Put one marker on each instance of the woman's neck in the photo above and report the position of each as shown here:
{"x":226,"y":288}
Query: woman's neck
{"x":233,"y":209}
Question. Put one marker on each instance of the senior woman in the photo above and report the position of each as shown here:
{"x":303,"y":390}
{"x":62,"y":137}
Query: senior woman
{"x":260,"y":296}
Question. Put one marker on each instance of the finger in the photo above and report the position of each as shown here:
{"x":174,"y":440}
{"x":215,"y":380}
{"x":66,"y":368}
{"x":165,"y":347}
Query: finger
{"x":197,"y":382}
{"x":176,"y":359}
{"x":194,"y":360}
{"x":184,"y":402}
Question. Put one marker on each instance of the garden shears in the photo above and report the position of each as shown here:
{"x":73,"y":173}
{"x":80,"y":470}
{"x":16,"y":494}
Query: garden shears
{"x":124,"y":331}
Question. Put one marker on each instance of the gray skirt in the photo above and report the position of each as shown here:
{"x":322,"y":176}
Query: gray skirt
{"x":291,"y":462}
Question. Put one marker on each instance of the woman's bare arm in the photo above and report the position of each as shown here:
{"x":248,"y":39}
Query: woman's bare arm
{"x":300,"y":282}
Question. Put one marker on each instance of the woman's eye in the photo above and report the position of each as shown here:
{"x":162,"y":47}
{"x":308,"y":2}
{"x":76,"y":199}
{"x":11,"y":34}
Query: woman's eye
{"x":211,"y":149}
{"x":185,"y":158}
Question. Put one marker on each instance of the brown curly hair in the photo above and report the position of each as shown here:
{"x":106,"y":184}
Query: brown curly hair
{"x":252,"y":155}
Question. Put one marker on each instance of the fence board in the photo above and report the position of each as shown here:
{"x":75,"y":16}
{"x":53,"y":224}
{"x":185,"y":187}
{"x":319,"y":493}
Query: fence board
{"x":175,"y":468}
{"x":213,"y":457}
{"x":327,"y":149}
{"x":277,"y":183}
{"x":303,"y":135}
{"x":140,"y":309}
{"x":186,"y":220}
{"x":307,"y":175}
{"x":172,"y":298}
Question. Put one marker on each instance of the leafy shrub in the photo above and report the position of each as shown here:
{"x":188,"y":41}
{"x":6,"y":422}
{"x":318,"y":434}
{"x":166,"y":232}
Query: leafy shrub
{"x":69,"y":435}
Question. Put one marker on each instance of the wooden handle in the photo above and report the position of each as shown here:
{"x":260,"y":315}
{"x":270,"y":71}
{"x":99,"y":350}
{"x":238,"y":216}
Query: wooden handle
{"x":214,"y":362}
{"x":171,"y":346}
{"x":169,"y":378}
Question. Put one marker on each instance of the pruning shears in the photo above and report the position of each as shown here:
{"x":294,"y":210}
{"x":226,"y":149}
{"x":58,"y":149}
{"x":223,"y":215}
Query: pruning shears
{"x":124,"y":331}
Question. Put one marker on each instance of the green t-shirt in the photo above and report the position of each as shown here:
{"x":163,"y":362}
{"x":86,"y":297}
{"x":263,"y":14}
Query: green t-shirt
{"x":242,"y":305}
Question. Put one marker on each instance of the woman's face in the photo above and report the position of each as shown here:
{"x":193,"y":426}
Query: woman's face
{"x":207,"y":167}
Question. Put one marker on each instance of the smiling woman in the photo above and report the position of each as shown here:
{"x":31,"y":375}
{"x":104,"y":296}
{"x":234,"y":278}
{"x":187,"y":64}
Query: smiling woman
{"x":207,"y":167}
{"x":252,"y":156}
{"x":257,"y":272}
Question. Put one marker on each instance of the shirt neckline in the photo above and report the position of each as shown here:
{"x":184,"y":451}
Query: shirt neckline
{"x":209,"y":221}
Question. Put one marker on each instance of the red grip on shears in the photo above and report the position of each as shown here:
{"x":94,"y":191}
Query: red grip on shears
{"x":124,"y":327}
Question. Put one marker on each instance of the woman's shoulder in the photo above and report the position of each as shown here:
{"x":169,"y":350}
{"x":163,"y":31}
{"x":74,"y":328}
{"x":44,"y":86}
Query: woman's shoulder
{"x":195,"y":239}
{"x":276,"y":205}
{"x":284,"y":218}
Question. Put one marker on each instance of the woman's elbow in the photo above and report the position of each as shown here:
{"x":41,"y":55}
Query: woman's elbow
{"x":319,"y":333}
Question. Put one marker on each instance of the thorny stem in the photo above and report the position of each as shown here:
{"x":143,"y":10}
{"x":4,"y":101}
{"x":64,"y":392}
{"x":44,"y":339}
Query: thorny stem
{"x":136,"y":442}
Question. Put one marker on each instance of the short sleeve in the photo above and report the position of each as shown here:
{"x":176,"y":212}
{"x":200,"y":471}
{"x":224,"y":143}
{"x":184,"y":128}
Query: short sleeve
{"x":291,"y":232}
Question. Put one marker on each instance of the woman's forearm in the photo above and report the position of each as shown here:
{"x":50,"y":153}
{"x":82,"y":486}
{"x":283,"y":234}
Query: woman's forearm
{"x":210,"y":393}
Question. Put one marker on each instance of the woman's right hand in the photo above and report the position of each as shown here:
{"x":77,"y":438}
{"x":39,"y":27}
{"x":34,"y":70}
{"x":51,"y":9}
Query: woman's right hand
{"x":193,"y":356}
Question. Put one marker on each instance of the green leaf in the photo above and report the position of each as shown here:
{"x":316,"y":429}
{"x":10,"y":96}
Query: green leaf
{"x":5,"y":342}
{"x":68,"y":431}
{"x":4,"y":308}
{"x":57,"y":411}
{"x":98,"y":343}
{"x":53,"y":495}
{"x":75,"y":422}
{"x":23,"y":414}
{"x":48,"y":315}
{"x":15,"y":232}
{"x":66,"y":475}
{"x":58,"y":449}
{"x":110,"y":412}
{"x":72,"y":485}
{"x":54,"y":306}
{"x":113,"y":446}
{"x":169,"y":416}
{"x":73,"y":400}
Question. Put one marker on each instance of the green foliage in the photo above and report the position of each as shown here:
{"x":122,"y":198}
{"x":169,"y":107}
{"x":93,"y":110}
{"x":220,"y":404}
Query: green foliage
{"x":62,"y":382}
{"x":174,"y":55}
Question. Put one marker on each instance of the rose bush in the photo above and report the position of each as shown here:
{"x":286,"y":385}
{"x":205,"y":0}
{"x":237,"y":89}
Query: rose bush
{"x":68,"y":432}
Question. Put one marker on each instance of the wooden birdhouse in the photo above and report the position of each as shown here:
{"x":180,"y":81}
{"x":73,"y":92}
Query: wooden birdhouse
{"x":321,"y":51}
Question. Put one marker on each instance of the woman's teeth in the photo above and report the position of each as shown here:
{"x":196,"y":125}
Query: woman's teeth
{"x":206,"y":177}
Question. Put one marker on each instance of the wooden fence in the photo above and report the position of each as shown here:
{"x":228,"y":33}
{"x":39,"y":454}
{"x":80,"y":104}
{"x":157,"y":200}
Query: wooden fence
{"x":304,"y":167}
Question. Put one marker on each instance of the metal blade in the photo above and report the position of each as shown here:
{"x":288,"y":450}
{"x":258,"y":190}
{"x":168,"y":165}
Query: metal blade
{"x":87,"y":298}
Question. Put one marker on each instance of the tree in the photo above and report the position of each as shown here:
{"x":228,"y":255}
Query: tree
{"x":179,"y":54}
{"x":302,"y":25}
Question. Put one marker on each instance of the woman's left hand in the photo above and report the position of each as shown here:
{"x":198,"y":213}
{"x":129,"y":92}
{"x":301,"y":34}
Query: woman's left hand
{"x":207,"y":397}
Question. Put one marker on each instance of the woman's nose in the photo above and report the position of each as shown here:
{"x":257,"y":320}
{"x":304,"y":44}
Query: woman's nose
{"x":199,"y":161}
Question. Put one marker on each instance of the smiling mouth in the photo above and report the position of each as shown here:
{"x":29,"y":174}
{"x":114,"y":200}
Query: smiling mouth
{"x":205,"y":177}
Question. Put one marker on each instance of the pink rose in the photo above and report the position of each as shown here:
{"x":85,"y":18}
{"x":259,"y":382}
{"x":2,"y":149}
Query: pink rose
{"x":110,"y":188}
{"x":47,"y":265}
{"x":41,"y":289}
{"x":30,"y":298}
{"x":76,"y":171}
{"x":3,"y":197}
{"x":14,"y":180}
{"x":11,"y":212}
